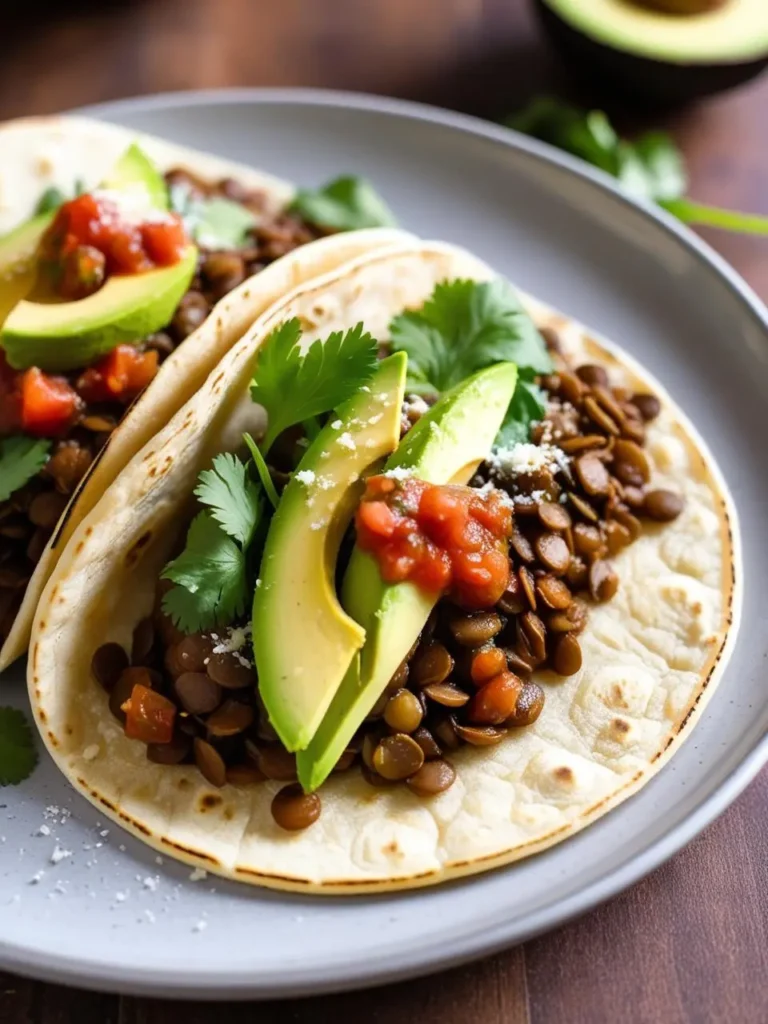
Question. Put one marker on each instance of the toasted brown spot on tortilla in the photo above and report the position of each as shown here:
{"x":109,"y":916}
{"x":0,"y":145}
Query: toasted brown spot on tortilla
{"x":188,"y":849}
{"x":563,"y":774}
{"x":152,"y":471}
{"x":228,"y":814}
{"x":617,"y":696}
{"x":79,"y":547}
{"x":209,"y":801}
{"x":183,"y":784}
{"x":392,"y":848}
{"x":43,"y":624}
{"x":88,"y":531}
{"x":134,"y":552}
{"x":68,"y":730}
{"x":51,"y":738}
{"x":621,"y":726}
{"x":148,"y":456}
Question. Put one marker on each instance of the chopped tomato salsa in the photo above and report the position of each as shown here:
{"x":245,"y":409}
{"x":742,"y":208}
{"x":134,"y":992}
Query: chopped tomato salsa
{"x":441,"y":537}
{"x":121,"y":375}
{"x":149,"y":716}
{"x":36,"y":403}
{"x":89,"y":240}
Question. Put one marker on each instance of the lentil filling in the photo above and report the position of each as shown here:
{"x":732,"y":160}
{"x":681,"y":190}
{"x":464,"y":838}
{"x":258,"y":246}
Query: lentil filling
{"x":554,"y":511}
{"x":98,"y":397}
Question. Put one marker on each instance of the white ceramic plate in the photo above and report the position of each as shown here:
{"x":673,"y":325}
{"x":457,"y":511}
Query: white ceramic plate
{"x":108,"y":915}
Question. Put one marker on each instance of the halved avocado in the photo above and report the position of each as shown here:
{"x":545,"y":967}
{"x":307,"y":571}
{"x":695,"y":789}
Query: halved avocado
{"x":17,"y":261}
{"x":303,"y":640}
{"x":445,"y":446}
{"x":661,"y":51}
{"x":67,"y":335}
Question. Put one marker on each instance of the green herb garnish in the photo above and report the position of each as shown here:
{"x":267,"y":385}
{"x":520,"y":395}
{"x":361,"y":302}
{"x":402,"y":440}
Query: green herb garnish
{"x":463,"y":327}
{"x":50,"y":200}
{"x":18,"y":755}
{"x":216,"y":223}
{"x":528,"y":406}
{"x":345,"y":204}
{"x":20,"y":459}
{"x":210,"y":577}
{"x":651,"y":167}
{"x":236,"y":501}
{"x":295,"y":385}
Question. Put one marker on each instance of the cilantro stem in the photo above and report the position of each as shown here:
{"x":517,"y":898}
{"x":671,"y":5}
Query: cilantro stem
{"x":716,"y":216}
{"x":263,"y":470}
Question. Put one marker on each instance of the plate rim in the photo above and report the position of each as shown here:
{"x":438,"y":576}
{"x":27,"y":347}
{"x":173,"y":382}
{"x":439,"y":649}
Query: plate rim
{"x":242,"y":983}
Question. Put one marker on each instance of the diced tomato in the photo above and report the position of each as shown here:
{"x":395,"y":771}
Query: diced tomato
{"x":149,"y":716}
{"x":49,"y":405}
{"x":164,"y":240}
{"x":121,"y":374}
{"x":93,"y":222}
{"x":378,"y":518}
{"x":440,"y":537}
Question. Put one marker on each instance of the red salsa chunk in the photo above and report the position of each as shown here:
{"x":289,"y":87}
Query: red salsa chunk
{"x":441,"y":537}
{"x":149,"y":716}
{"x":90,"y":240}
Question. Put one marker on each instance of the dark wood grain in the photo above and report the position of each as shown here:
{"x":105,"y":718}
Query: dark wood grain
{"x":688,"y":944}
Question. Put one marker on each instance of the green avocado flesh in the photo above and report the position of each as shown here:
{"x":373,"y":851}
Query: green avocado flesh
{"x":445,"y":446}
{"x":736,"y":31}
{"x":67,"y":335}
{"x":303,"y":640}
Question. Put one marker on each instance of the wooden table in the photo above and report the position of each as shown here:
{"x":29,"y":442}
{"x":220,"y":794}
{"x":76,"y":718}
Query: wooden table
{"x":690,"y":943}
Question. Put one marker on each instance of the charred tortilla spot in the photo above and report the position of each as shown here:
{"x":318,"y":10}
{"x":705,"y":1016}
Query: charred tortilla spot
{"x":228,"y":814}
{"x":183,"y":784}
{"x":149,"y":455}
{"x":617,"y":696}
{"x":620,"y":726}
{"x":134,"y":552}
{"x":564,"y":775}
{"x":209,"y":801}
{"x":51,"y":738}
{"x":152,"y":471}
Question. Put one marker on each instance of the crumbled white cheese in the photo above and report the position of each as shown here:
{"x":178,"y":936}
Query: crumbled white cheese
{"x":91,"y":752}
{"x":398,"y":473}
{"x":151,"y":883}
{"x":320,"y":524}
{"x":366,"y":389}
{"x":59,"y":854}
{"x":527,"y":458}
{"x":346,"y":441}
{"x":44,"y":830}
{"x":305,"y":476}
{"x":325,"y":483}
{"x":198,"y":875}
{"x":336,"y":425}
{"x":375,"y":419}
{"x":370,"y":443}
{"x":234,"y":641}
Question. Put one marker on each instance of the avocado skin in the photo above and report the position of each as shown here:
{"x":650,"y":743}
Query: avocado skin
{"x":643,"y":81}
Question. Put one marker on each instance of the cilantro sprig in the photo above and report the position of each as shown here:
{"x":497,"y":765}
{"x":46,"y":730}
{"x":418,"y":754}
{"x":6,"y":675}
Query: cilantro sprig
{"x":20,"y":459}
{"x":18,"y":755}
{"x":345,"y":204}
{"x":294,"y":385}
{"x":652,"y":167}
{"x":213,"y":573}
{"x":465,"y":326}
{"x":216,"y":223}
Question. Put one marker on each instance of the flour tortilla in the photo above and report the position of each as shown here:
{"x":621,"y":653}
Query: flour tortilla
{"x":38,"y":153}
{"x":652,"y":655}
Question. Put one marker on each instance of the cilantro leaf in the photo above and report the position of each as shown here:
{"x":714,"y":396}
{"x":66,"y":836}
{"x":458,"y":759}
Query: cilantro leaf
{"x":463,"y":327}
{"x":346,"y":204}
{"x":222,"y":223}
{"x":295,"y":385}
{"x":20,"y":459}
{"x":50,"y":200}
{"x":528,"y":405}
{"x":651,"y":167}
{"x":18,"y":755}
{"x":210,"y":578}
{"x":235,"y":500}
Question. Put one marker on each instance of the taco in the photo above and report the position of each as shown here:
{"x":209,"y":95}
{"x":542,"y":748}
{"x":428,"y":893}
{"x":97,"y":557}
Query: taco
{"x":424,"y":579}
{"x":129,"y":266}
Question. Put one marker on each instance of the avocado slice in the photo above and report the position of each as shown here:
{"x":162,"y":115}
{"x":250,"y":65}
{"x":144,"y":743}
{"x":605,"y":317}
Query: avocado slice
{"x":134,"y":170}
{"x":67,"y":335}
{"x":303,"y":640}
{"x":661,"y":51}
{"x":445,"y":446}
